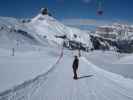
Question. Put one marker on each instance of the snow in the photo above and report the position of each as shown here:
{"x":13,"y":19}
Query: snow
{"x":126,"y":60}
{"x":45,"y":25}
{"x":40,"y":30}
{"x":120,"y":31}
{"x":113,"y":62}
{"x":58,"y":84}
{"x":61,"y":86}
{"x":23,"y":66}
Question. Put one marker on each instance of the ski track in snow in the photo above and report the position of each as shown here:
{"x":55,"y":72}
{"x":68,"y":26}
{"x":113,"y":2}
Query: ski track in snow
{"x":58,"y":84}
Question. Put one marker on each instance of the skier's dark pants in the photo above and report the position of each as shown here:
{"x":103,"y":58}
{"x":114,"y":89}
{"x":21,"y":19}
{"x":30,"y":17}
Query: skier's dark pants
{"x":75,"y":72}
{"x":75,"y":66}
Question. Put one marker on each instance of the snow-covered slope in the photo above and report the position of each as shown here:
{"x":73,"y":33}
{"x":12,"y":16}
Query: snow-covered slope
{"x":13,"y":35}
{"x":40,"y":30}
{"x":93,"y":83}
{"x":116,"y":30}
{"x":24,"y":66}
{"x":45,"y":25}
{"x":113,"y":62}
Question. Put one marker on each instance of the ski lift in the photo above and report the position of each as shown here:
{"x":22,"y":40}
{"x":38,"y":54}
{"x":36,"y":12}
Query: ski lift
{"x":99,"y":7}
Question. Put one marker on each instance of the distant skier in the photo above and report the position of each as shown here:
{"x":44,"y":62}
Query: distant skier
{"x":75,"y":67}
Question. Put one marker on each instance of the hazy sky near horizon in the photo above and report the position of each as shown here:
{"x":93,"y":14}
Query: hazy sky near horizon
{"x":114,"y":10}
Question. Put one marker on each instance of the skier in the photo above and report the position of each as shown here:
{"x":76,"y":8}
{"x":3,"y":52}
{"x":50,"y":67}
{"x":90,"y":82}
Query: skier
{"x":75,"y":67}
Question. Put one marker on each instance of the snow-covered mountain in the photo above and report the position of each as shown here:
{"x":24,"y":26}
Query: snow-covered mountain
{"x":45,"y":30}
{"x":40,"y":30}
{"x":116,"y":31}
{"x":13,"y":34}
{"x":118,"y":36}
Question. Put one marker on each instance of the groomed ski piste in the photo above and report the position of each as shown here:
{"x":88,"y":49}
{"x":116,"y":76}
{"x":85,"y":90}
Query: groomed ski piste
{"x":57,"y":82}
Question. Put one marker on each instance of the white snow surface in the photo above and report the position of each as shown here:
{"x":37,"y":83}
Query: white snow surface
{"x":24,"y":66}
{"x":41,"y":30}
{"x":45,"y":25}
{"x":113,"y":62}
{"x":94,"y":83}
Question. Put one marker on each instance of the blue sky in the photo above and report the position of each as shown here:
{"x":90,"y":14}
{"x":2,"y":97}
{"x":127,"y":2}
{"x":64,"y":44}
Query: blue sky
{"x":67,"y":10}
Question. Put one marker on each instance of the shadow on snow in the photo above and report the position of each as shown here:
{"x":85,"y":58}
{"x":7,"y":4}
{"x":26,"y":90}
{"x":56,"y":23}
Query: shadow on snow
{"x":85,"y":76}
